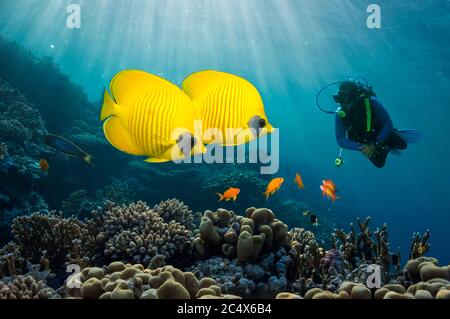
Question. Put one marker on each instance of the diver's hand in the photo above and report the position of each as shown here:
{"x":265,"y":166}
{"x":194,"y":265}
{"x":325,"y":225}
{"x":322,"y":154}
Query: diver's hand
{"x":368,"y":150}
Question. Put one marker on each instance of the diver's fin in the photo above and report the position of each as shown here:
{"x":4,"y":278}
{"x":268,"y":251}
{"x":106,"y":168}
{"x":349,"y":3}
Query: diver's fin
{"x":410,"y":136}
{"x":108,"y":108}
{"x":396,"y":152}
{"x":128,"y":85}
{"x":119,"y":137}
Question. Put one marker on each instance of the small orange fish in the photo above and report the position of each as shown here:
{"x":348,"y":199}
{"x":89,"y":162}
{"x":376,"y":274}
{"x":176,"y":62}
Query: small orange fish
{"x":273,"y":186}
{"x":43,"y":164}
{"x":329,"y":183}
{"x":230,"y":194}
{"x":328,"y":189}
{"x":298,"y":180}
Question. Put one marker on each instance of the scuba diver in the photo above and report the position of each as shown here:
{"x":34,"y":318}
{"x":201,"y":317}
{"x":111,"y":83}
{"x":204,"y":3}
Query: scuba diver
{"x":363,"y":124}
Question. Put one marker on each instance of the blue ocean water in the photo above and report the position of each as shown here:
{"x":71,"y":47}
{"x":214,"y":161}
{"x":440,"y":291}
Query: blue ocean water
{"x":289,"y":50}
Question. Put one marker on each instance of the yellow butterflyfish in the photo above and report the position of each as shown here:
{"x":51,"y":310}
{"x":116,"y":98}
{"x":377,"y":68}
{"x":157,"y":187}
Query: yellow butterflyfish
{"x":228,"y":105}
{"x":146,"y":115}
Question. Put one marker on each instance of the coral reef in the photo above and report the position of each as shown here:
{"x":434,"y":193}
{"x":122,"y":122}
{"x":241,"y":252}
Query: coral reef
{"x":127,"y":281}
{"x":52,"y":241}
{"x":366,"y":246}
{"x":249,"y":253}
{"x":159,"y":253}
{"x":25,"y":287}
{"x":137,"y":234}
{"x":419,"y":245}
{"x":21,"y":126}
{"x":25,"y":71}
{"x":242,"y":237}
{"x":21,"y":146}
{"x":11,"y":261}
{"x":80,"y":204}
{"x":173,"y":209}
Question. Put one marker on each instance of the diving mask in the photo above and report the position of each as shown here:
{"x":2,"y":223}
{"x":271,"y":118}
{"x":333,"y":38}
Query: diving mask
{"x":342,"y":98}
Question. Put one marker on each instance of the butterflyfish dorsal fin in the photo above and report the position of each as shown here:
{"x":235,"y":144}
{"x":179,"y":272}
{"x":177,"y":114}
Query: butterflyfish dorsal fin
{"x":129,"y":85}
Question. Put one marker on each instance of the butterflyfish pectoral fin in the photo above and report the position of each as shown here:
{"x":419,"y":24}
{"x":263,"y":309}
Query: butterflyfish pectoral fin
{"x":119,"y":137}
{"x":172,"y":154}
{"x":156,"y":160}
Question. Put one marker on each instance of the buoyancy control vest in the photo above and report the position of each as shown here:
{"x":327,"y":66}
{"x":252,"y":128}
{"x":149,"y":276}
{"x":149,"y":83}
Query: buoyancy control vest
{"x":361,"y":123}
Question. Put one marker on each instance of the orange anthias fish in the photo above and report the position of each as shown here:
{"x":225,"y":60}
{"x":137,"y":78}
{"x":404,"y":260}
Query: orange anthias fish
{"x":330,"y":184}
{"x":43,"y":164}
{"x":273,"y":186}
{"x":298,"y":180}
{"x":230,"y":194}
{"x":329,"y":190}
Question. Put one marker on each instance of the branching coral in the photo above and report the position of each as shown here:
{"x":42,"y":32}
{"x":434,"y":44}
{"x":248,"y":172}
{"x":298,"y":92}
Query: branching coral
{"x":174,"y":210}
{"x":362,"y":247}
{"x":419,"y":245}
{"x":305,"y":251}
{"x":135,"y":233}
{"x":11,"y":261}
{"x":54,"y":238}
{"x":25,"y":287}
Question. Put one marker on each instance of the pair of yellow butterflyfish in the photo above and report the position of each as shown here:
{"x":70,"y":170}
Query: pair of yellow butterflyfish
{"x":146,"y":115}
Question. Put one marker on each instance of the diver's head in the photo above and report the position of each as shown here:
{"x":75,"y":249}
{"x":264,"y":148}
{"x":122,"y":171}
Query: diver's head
{"x":347,"y":94}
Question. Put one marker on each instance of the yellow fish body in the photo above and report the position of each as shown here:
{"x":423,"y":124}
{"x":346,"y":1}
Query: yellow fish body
{"x":149,"y":116}
{"x":225,"y":101}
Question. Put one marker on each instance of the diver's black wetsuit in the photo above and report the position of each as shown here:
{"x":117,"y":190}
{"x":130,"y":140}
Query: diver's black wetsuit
{"x":351,"y":131}
{"x":394,"y":141}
